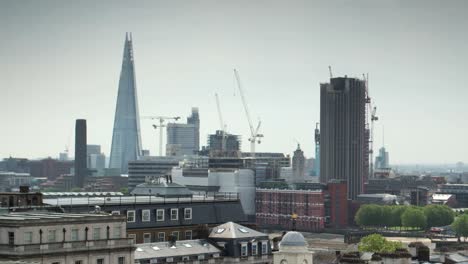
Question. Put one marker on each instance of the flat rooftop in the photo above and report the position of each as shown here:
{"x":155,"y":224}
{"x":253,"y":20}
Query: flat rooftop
{"x":181,"y":248}
{"x":21,"y":218}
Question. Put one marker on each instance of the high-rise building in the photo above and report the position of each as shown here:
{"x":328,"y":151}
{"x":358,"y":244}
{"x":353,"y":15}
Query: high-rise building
{"x":382,"y":161}
{"x":224,"y":144}
{"x":317,"y":151}
{"x":184,"y":139}
{"x":81,"y":170}
{"x":96,"y":160}
{"x":126,"y":139}
{"x":343,"y":141}
{"x":298,"y":165}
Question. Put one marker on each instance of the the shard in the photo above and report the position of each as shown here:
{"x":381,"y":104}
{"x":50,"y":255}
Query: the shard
{"x":126,"y":139}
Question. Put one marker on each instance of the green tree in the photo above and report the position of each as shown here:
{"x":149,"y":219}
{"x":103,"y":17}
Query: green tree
{"x":124,"y":190}
{"x":378,"y":243}
{"x":369,"y":215}
{"x":438,"y":215}
{"x":460,"y":225}
{"x":397,"y":212}
{"x":414,"y":217}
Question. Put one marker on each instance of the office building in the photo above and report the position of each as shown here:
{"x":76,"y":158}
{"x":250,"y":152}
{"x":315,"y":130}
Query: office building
{"x":343,"y":134}
{"x":222,"y":144}
{"x":13,"y":180}
{"x":126,"y":139}
{"x":317,"y":151}
{"x":382,"y":160}
{"x":81,"y":169}
{"x":95,"y":159}
{"x":148,"y":168}
{"x":49,"y":168}
{"x":184,"y":139}
{"x":65,"y":238}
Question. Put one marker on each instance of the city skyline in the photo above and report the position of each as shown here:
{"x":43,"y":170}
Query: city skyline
{"x":61,"y":62}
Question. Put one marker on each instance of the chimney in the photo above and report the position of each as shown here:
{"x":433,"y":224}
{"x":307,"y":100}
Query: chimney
{"x":80,"y":153}
{"x":172,"y":241}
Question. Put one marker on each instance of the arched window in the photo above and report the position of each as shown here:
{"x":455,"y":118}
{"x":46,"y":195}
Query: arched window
{"x":304,"y":261}
{"x":284,"y":261}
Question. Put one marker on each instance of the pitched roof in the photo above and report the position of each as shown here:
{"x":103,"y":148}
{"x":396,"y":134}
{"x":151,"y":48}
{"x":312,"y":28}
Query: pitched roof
{"x":233,"y":230}
{"x":182,"y":248}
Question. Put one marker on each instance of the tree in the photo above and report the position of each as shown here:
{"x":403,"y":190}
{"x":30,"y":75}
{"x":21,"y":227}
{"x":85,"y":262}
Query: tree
{"x":369,"y":215}
{"x":397,"y":212}
{"x":438,"y":215}
{"x":377,"y":243}
{"x":414,"y":217}
{"x":460,"y":225}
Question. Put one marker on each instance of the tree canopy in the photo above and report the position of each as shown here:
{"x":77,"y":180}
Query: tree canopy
{"x":378,"y":243}
{"x":460,"y":225}
{"x":439,"y":215}
{"x":414,"y":217}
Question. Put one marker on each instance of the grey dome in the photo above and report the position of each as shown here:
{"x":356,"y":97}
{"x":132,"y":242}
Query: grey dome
{"x":293,"y":238}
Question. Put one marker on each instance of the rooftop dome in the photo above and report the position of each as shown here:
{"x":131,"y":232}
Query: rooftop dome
{"x":294,"y":239}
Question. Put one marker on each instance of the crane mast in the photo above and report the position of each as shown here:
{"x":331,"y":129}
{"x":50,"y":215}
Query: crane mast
{"x":254,"y":135}
{"x":221,"y":123}
{"x":161,"y":125}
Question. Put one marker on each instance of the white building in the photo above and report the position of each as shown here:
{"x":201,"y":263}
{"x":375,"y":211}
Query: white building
{"x":65,"y":238}
{"x":293,"y":250}
{"x":241,"y":181}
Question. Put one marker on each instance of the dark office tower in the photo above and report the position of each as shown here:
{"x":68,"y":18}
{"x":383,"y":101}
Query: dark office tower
{"x":81,"y":169}
{"x":194,"y":119}
{"x":343,"y":141}
{"x":126,"y":139}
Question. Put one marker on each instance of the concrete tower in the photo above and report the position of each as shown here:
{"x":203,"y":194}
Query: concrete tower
{"x":81,"y":170}
{"x":343,"y":140}
{"x":298,"y":165}
{"x":126,"y":139}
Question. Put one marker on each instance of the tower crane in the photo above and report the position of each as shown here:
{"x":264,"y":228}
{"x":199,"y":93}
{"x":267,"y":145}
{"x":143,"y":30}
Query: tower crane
{"x":330,"y":71}
{"x":221,"y":123}
{"x":372,"y":110}
{"x":255,"y":137}
{"x":161,"y":126}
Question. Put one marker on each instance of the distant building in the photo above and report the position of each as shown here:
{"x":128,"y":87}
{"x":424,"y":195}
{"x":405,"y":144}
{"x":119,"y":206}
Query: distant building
{"x":382,"y":160}
{"x":63,"y":156}
{"x":270,"y":163}
{"x":293,"y":249}
{"x":81,"y":169}
{"x":59,"y":238}
{"x":140,"y":171}
{"x":96,"y":160}
{"x":184,"y":139}
{"x":50,"y":168}
{"x":344,"y":145}
{"x":19,"y":165}
{"x":298,"y":165}
{"x":126,"y":138}
{"x":223,"y":144}
{"x":20,"y":199}
{"x":12,"y":181}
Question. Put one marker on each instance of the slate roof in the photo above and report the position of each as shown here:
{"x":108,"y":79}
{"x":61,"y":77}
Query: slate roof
{"x":182,"y":248}
{"x":233,"y":230}
{"x":163,"y":189}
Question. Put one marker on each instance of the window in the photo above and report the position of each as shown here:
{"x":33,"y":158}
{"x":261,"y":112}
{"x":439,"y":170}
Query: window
{"x":28,"y":237}
{"x":188,"y":234}
{"x":161,"y":236}
{"x":254,"y":249}
{"x":201,"y":257}
{"x":117,"y":233}
{"x":78,"y":262}
{"x":131,"y":216}
{"x":160,"y":215}
{"x":188,"y":213}
{"x":52,"y":235}
{"x":145,"y":215}
{"x":74,"y":235}
{"x":264,"y":247}
{"x":185,"y":258}
{"x":132,"y":236}
{"x":56,"y":262}
{"x":147,"y":238}
{"x":11,"y":238}
{"x":115,"y":212}
{"x":174,"y":214}
{"x":169,"y":259}
{"x":96,"y":233}
{"x":121,"y":260}
{"x":244,"y":250}
{"x":176,"y":234}
{"x":100,"y":261}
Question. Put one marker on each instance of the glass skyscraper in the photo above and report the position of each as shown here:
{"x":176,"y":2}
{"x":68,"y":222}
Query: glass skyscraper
{"x":126,"y":139}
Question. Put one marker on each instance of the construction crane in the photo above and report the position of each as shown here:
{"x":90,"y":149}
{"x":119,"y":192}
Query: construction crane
{"x":221,"y":123}
{"x":255,"y":137}
{"x":161,"y":125}
{"x":330,"y":71}
{"x":372,"y":111}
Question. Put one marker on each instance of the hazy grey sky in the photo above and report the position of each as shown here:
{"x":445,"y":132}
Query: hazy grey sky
{"x":60,"y":60}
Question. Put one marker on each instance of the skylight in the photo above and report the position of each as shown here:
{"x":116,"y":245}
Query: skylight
{"x":243,"y":230}
{"x":156,"y":248}
{"x":139,"y":249}
{"x":188,"y":245}
{"x":220,"y":230}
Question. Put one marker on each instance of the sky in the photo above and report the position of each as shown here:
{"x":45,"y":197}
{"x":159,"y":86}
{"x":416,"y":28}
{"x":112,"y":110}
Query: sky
{"x":60,"y":60}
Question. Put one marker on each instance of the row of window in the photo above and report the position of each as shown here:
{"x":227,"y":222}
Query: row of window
{"x":120,"y":260}
{"x":97,"y":233}
{"x":162,"y":236}
{"x":254,"y":249}
{"x":146,"y":215}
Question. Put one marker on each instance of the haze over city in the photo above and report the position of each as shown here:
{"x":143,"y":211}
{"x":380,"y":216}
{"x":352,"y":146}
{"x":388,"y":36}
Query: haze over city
{"x":61,"y":61}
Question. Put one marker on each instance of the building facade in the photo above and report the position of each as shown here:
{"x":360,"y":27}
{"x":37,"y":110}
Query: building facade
{"x":298,"y":165}
{"x":126,"y":139}
{"x":147,"y":168}
{"x":65,"y":238}
{"x":343,"y":134}
{"x":184,"y":139}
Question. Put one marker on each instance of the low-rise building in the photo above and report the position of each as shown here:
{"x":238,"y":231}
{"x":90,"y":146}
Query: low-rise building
{"x":65,"y":238}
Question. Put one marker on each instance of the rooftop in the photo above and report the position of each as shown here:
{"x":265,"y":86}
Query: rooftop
{"x":19,"y":218}
{"x":181,"y":248}
{"x":233,"y":230}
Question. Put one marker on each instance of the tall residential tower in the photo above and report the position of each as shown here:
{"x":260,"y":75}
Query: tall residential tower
{"x":343,"y":134}
{"x":126,"y":139}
